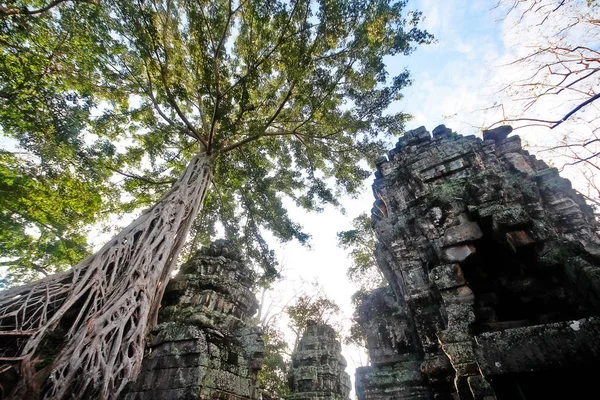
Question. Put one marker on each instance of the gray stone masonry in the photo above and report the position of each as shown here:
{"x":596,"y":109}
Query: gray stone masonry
{"x":318,"y":367}
{"x":204,"y":347}
{"x":494,"y":272}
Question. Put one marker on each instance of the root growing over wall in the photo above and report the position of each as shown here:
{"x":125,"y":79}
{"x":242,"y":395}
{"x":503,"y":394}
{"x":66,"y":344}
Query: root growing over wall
{"x":80,"y":333}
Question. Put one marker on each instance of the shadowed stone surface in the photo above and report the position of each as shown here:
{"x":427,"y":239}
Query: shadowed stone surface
{"x":318,"y":367}
{"x":393,"y":346}
{"x":493,"y":265}
{"x":204,"y":347}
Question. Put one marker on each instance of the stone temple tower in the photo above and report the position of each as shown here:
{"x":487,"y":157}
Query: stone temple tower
{"x":493,"y":265}
{"x":205,"y":346}
{"x":318,"y":367}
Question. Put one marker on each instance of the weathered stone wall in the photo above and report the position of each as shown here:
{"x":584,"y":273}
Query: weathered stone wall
{"x":494,"y":264}
{"x":394,"y":350}
{"x":204,"y":346}
{"x":318,"y":367}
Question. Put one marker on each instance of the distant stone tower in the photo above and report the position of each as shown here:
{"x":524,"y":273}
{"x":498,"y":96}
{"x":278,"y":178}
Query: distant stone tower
{"x":204,"y":346}
{"x":318,"y":367}
{"x":494,"y":269}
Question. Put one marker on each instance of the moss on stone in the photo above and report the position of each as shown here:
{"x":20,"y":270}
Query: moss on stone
{"x":446,"y":193}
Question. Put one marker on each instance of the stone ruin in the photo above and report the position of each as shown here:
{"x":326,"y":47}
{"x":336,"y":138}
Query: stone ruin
{"x":318,"y":367}
{"x":205,"y":346}
{"x":395,"y":370}
{"x":493,"y":265}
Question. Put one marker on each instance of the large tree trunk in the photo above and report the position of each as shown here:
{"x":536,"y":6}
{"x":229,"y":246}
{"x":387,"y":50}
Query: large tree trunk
{"x":80,"y":333}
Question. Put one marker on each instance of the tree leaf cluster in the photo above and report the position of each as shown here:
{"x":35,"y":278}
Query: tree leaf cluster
{"x":42,"y":218}
{"x":56,"y":171}
{"x":310,"y":309}
{"x":272,"y":377}
{"x":288,"y":98}
{"x":360,"y":241}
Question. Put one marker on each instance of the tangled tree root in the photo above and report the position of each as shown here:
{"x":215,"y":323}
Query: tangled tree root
{"x":80,"y":333}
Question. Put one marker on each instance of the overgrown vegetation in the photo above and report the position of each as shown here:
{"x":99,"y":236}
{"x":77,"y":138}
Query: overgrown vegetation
{"x":182,"y":104}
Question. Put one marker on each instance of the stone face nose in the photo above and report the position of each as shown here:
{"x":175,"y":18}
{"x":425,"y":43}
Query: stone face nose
{"x":318,"y":367}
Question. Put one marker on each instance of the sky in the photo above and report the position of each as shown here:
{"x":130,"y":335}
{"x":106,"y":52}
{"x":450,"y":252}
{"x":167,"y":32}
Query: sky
{"x":455,"y":80}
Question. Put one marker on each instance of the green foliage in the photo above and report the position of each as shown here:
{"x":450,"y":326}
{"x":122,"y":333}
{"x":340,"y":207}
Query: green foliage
{"x":368,"y":305}
{"x":307,"y":309}
{"x":361,"y":243}
{"x":42,"y":216}
{"x":56,"y":183}
{"x":446,"y":193}
{"x":273,"y":375}
{"x":358,"y":335}
{"x":287,"y":97}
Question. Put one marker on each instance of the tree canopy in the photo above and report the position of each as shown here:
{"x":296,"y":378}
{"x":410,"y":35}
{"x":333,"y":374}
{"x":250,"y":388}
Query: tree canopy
{"x":54,"y":176}
{"x":36,"y":236}
{"x":135,"y":91}
{"x":317,"y":308}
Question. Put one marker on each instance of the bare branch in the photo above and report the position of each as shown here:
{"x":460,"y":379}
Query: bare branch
{"x":141,"y":178}
{"x":573,"y":111}
{"x":8,"y":11}
{"x":213,"y":122}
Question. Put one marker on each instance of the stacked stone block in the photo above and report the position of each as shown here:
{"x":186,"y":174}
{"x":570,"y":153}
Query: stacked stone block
{"x":318,"y":367}
{"x":395,"y":371}
{"x":204,"y":346}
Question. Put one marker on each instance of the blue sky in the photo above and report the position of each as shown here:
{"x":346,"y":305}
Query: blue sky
{"x":449,"y":75}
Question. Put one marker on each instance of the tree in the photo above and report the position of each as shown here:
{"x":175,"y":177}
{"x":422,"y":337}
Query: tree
{"x":272,"y":377}
{"x":357,"y":334}
{"x":556,"y":63}
{"x":361,"y":243}
{"x":58,"y":179}
{"x":261,"y":99}
{"x":42,"y":218}
{"x":291,"y":300}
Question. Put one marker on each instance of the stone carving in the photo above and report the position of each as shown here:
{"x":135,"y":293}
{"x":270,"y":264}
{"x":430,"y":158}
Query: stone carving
{"x":318,"y":367}
{"x":494,"y":264}
{"x":204,"y":346}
